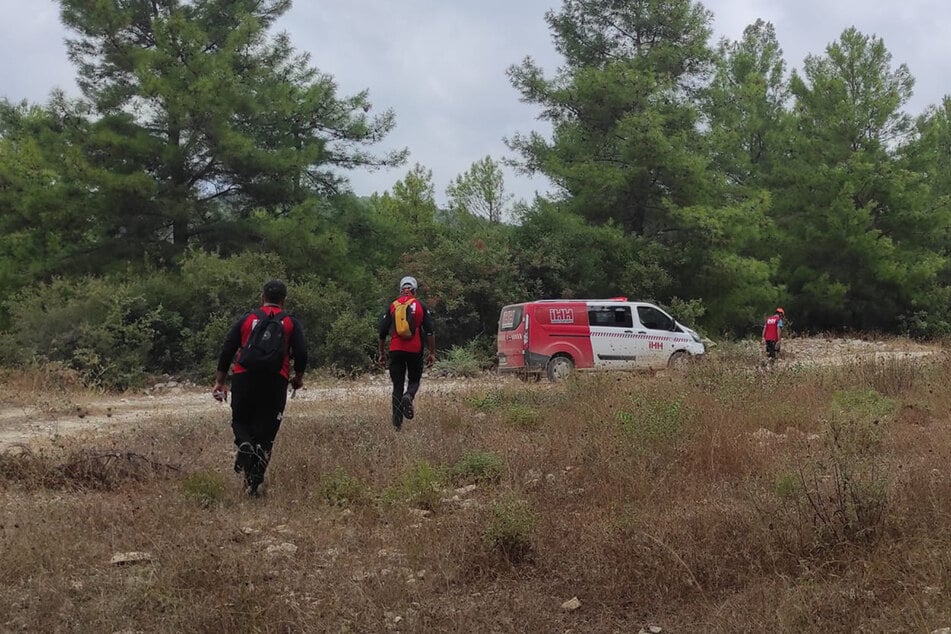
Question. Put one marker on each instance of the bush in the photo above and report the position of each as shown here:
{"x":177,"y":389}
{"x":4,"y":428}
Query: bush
{"x":843,"y":487}
{"x":349,"y":344}
{"x":509,"y":528}
{"x":105,"y":329}
{"x":115,"y":332}
{"x":460,"y":362}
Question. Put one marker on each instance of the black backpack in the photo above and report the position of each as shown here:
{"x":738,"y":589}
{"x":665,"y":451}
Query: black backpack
{"x":265,"y":349}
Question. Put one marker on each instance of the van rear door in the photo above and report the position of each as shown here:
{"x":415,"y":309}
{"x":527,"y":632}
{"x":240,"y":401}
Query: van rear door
{"x":509,"y":340}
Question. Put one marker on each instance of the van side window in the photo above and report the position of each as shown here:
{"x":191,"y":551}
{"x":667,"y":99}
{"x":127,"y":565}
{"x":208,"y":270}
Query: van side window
{"x":611,"y":316}
{"x":654,"y":319}
{"x":510,"y":318}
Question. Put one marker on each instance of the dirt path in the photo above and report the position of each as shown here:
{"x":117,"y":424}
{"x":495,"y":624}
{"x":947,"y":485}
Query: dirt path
{"x":37,"y":422}
{"x":25,"y":424}
{"x":839,"y":351}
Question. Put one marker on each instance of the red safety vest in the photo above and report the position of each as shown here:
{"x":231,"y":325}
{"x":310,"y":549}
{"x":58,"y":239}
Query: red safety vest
{"x":771,"y":330}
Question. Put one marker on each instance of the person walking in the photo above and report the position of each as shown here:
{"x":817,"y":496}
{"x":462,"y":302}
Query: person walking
{"x":261,"y":344}
{"x":773,"y":333}
{"x":406,"y":322}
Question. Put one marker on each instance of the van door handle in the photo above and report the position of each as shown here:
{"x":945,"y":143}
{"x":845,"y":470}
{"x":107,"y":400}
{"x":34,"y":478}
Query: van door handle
{"x":642,"y":332}
{"x":629,"y":331}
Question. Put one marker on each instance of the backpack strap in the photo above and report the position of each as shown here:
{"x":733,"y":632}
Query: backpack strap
{"x":262,"y":314}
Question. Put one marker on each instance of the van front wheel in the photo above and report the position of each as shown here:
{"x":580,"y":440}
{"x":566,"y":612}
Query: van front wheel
{"x":559,"y":368}
{"x":679,"y":360}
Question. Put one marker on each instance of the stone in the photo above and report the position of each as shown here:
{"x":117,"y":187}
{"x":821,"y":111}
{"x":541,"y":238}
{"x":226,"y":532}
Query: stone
{"x":132,"y":557}
{"x":284,"y":548}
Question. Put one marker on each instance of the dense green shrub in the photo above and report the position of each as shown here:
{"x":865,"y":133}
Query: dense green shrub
{"x":104,"y":329}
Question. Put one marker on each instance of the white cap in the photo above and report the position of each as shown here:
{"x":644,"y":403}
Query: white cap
{"x":409,"y":281}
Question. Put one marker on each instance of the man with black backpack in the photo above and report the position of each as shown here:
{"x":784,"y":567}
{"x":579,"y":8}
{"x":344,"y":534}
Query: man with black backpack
{"x":406,"y":322}
{"x":264,"y":340}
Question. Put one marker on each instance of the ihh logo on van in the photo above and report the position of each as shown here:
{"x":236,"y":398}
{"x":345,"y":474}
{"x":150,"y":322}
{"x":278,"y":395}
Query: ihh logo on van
{"x":561,"y":315}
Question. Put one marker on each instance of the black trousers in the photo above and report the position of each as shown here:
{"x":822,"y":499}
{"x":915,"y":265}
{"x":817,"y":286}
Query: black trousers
{"x":404,"y":366}
{"x":771,"y":349}
{"x":257,"y":407}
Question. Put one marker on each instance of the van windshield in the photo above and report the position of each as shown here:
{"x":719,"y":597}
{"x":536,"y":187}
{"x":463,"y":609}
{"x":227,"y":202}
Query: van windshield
{"x":510,"y":319}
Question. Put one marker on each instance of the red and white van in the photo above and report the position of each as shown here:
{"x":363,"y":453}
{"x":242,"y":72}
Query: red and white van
{"x":556,"y":336}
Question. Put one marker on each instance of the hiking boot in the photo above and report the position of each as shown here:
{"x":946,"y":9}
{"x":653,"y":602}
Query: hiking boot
{"x":254,"y":483}
{"x":243,"y":457}
{"x":407,"y":406}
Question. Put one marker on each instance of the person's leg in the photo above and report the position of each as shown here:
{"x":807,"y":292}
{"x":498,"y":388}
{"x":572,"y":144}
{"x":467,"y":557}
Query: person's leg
{"x":414,"y":370}
{"x":271,"y":390}
{"x":242,"y":421}
{"x":771,"y":349}
{"x":398,"y":377}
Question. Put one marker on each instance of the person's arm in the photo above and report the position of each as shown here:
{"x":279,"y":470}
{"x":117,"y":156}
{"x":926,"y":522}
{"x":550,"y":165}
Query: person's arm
{"x":299,"y":350}
{"x":386,"y":322}
{"x":228,"y":350}
{"x":431,"y":344}
{"x":429,"y":331}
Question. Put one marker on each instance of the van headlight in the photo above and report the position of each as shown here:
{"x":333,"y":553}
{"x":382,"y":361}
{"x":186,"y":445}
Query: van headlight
{"x":695,"y":337}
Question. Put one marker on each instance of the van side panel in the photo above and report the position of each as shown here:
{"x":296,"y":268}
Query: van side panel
{"x":559,"y":328}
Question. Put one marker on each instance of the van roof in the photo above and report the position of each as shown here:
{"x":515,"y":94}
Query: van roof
{"x":578,"y":300}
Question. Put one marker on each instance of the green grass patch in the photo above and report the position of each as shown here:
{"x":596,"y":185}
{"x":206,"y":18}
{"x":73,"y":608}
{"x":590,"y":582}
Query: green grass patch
{"x":205,"y":488}
{"x":478,"y":467}
{"x":338,"y":488}
{"x":419,"y":486}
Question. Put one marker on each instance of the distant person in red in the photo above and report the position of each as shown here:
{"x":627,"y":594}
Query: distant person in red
{"x":406,"y":322}
{"x":773,"y":332}
{"x":264,"y":340}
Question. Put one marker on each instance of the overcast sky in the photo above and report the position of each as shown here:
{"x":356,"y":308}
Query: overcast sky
{"x":440,"y":64}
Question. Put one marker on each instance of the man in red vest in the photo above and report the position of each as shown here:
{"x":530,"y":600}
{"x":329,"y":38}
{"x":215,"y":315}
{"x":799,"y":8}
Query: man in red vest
{"x":773,"y":332}
{"x":406,"y":349}
{"x":262,"y":371}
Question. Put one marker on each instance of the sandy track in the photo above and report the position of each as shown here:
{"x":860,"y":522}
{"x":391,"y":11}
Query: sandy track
{"x":23,"y":424}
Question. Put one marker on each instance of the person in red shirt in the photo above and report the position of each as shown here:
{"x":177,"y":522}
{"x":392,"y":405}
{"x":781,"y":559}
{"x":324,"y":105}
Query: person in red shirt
{"x":259,"y":392}
{"x":406,"y":355}
{"x":773,"y":332}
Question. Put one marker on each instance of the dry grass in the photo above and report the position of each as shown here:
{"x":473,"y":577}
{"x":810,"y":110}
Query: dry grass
{"x":719,"y":500}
